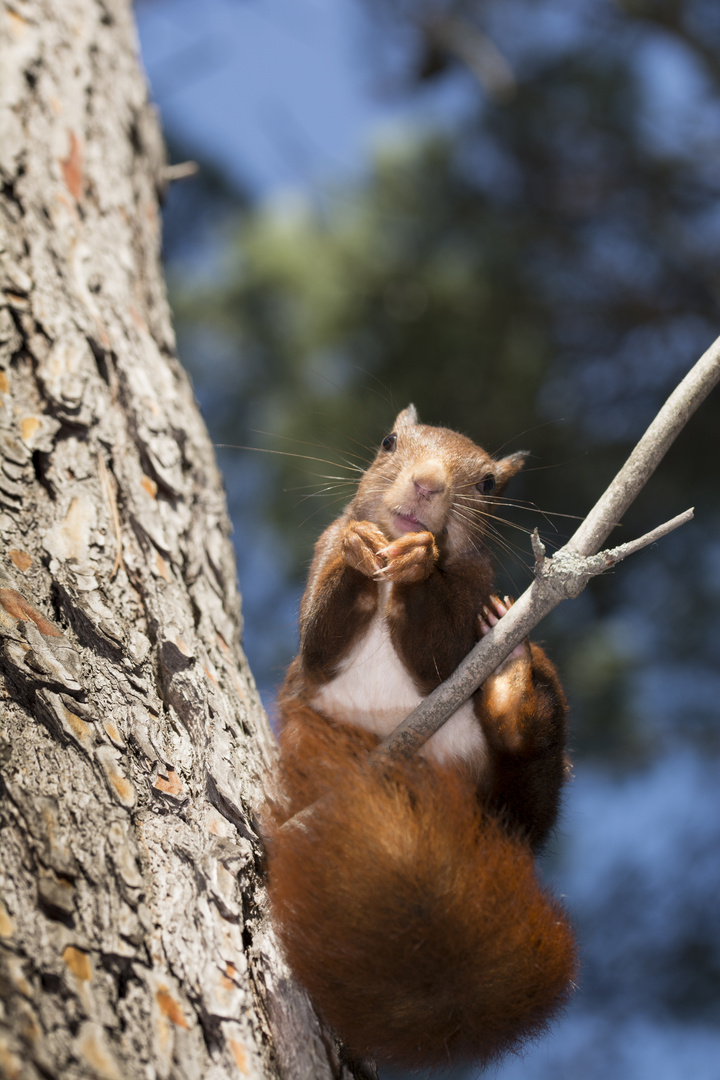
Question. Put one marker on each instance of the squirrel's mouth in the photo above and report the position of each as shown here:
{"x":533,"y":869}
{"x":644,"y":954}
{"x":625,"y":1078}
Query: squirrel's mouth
{"x":406,"y":523}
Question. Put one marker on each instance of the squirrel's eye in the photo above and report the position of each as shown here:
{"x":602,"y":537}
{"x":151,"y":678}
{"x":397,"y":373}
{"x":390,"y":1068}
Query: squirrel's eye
{"x":389,"y":442}
{"x":486,"y":485}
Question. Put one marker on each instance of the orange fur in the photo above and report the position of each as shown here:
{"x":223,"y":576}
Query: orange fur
{"x":407,"y":898}
{"x":412,"y":917}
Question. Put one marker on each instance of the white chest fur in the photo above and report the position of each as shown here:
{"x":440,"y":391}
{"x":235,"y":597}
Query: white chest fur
{"x":374,"y":690}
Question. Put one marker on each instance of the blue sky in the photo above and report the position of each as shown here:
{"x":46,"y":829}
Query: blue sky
{"x":283,"y":93}
{"x":274,"y":91}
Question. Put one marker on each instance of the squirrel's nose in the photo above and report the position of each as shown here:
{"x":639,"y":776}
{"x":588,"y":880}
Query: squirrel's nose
{"x":430,"y":480}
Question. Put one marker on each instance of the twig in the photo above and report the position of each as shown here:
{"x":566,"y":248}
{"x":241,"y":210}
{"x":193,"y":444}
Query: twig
{"x":616,"y":555}
{"x":181,"y":171}
{"x":648,"y":453}
{"x":475,"y":50}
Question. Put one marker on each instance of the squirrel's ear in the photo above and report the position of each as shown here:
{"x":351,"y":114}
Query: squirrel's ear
{"x":506,"y":468}
{"x":406,"y":418}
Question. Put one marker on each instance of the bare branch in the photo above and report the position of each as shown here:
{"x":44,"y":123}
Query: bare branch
{"x":181,"y":171}
{"x":479,"y":54}
{"x":617,"y":554}
{"x":648,"y":453}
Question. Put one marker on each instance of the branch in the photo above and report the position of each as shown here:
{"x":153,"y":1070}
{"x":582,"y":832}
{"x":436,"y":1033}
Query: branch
{"x":566,"y":573}
{"x":181,"y":171}
{"x":648,"y":453}
{"x":475,"y":50}
{"x":616,"y":555}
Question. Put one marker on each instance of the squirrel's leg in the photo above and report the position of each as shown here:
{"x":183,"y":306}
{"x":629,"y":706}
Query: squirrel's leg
{"x":341,"y":596}
{"x":522,"y":709}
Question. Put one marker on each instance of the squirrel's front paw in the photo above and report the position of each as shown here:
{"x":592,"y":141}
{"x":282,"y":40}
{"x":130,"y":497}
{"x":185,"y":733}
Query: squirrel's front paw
{"x":361,"y":543}
{"x":409,"y":559}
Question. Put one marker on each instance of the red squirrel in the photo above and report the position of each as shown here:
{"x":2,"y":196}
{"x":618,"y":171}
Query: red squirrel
{"x":407,"y":901}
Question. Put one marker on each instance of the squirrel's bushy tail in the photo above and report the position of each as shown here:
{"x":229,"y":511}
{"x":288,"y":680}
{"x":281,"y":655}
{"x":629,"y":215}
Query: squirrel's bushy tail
{"x":416,"y":923}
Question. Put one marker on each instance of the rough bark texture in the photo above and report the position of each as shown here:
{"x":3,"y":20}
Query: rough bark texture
{"x":132,"y":742}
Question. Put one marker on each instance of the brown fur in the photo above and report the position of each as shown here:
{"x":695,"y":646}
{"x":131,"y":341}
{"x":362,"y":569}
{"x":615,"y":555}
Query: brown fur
{"x":407,"y":900}
{"x":414,"y":919}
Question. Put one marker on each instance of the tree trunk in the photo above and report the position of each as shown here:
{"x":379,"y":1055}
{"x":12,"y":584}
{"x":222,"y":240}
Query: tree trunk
{"x":132,"y":741}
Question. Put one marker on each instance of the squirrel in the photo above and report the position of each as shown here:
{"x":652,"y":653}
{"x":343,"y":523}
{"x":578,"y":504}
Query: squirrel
{"x":407,"y":901}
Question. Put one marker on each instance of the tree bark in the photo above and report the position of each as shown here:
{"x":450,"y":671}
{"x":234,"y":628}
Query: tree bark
{"x":132,"y":741}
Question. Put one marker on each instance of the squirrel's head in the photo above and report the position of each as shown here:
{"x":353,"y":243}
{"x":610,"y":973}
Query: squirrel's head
{"x":433,"y":479}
